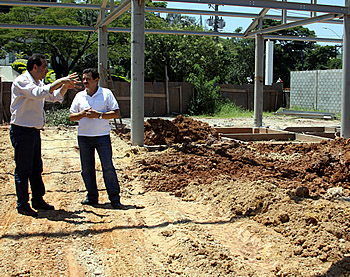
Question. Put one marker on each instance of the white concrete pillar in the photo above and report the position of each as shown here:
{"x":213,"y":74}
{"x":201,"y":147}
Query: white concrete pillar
{"x":269,"y":63}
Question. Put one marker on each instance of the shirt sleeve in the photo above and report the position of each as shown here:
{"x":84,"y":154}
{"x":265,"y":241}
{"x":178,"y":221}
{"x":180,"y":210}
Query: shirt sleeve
{"x":74,"y":107}
{"x":112,"y":102}
{"x":56,"y":96}
{"x":31,"y":90}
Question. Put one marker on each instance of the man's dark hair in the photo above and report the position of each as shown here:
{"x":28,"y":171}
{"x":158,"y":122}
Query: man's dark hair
{"x":35,"y":59}
{"x":93,"y":71}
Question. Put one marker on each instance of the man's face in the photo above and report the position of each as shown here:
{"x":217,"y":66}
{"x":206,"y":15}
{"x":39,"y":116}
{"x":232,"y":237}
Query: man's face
{"x":89,"y":83}
{"x":41,"y":70}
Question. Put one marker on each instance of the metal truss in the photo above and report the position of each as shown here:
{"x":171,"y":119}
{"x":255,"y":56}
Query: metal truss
{"x":331,"y":14}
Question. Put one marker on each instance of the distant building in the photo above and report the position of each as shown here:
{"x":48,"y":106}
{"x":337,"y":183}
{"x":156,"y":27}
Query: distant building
{"x":9,"y":59}
{"x":7,"y":74}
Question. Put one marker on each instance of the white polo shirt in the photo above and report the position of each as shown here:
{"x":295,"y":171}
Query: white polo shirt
{"x":102,"y":101}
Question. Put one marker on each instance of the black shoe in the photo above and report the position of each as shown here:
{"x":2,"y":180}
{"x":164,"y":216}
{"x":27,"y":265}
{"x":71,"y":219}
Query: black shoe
{"x":118,"y":206}
{"x":42,"y":205}
{"x":89,"y":202}
{"x":27,"y":210}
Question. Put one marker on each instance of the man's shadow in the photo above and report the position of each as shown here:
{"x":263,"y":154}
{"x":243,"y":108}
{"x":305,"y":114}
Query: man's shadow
{"x":75,"y":217}
{"x":108,"y":206}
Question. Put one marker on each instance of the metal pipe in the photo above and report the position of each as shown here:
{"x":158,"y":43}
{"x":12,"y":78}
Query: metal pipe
{"x":293,"y":24}
{"x":345,"y":110}
{"x":273,"y":5}
{"x":159,"y":32}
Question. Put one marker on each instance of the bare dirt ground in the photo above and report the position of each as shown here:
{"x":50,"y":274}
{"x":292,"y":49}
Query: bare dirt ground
{"x":201,"y":207}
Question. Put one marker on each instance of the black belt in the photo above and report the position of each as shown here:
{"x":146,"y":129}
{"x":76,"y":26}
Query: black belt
{"x":25,"y":128}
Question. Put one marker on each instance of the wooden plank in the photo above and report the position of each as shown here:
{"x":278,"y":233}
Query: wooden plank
{"x":233,"y":130}
{"x":256,"y":137}
{"x":155,"y":95}
{"x":304,"y":129}
{"x":309,"y":138}
{"x":322,"y":134}
{"x":234,"y":90}
{"x":245,"y":130}
{"x":146,"y":95}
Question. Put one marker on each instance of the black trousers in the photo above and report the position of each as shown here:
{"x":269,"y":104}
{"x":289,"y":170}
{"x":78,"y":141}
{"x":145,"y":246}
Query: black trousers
{"x":29,"y":166}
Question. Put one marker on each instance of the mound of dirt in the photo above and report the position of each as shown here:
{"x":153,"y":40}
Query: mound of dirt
{"x":299,"y":191}
{"x":317,"y":167}
{"x":179,"y":130}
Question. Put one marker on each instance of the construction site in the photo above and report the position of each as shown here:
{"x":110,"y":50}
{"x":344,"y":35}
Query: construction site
{"x":200,"y":201}
{"x":203,"y":197}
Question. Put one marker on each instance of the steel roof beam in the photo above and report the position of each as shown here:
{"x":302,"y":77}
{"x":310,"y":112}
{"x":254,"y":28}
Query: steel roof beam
{"x":273,"y":5}
{"x":160,"y":32}
{"x":292,"y":24}
{"x":151,"y":9}
{"x":256,"y":21}
{"x":123,"y":7}
{"x":47,"y":27}
{"x":102,"y":10}
{"x":230,"y":14}
{"x":49,"y":5}
{"x":243,"y":3}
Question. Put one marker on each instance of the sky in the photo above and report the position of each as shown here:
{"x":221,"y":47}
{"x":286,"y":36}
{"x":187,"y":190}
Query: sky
{"x":322,"y":30}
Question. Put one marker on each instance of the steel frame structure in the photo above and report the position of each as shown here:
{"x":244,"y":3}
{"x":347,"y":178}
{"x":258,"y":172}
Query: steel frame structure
{"x":108,"y":13}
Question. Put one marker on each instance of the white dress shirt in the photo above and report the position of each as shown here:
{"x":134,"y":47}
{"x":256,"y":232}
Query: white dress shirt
{"x":27,"y":101}
{"x":102,"y":101}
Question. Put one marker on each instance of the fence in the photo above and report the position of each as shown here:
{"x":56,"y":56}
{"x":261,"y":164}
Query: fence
{"x":5,"y":100}
{"x":317,"y":89}
{"x":243,"y":96}
{"x":158,"y":101}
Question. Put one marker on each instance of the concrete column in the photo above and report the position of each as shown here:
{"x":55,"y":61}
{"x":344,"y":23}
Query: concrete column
{"x":259,"y":80}
{"x":102,"y":53}
{"x":345,"y":110}
{"x":269,"y":63}
{"x":137,"y":71}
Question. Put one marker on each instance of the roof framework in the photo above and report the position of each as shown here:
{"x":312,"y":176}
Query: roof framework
{"x":332,"y":15}
{"x":108,"y":13}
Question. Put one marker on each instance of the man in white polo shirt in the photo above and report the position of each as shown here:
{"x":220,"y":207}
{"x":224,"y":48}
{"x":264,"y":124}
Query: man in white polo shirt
{"x":93,"y":107}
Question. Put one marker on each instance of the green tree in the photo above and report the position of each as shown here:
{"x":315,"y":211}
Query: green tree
{"x":240,"y":56}
{"x":179,"y":53}
{"x":64,"y":48}
{"x":206,"y":99}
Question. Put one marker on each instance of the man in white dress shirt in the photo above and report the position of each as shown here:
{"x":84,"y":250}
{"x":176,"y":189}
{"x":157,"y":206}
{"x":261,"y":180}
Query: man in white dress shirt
{"x":28,"y":95}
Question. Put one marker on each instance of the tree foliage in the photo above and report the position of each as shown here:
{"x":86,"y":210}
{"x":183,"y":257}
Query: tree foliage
{"x":206,"y":99}
{"x":225,"y":60}
{"x":64,"y":48}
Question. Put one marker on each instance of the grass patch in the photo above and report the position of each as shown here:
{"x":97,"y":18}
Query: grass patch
{"x":59,"y":117}
{"x":229,"y":110}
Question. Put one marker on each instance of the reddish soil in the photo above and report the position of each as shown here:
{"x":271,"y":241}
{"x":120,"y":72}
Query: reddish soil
{"x":202,"y":206}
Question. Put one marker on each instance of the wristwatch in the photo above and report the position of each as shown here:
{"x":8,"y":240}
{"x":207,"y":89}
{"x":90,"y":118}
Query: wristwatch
{"x":100,"y":115}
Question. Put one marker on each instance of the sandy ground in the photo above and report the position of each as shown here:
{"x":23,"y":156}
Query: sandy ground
{"x":194,"y":209}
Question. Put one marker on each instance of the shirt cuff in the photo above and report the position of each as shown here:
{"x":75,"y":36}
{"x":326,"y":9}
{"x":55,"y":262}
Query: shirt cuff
{"x":57,"y":95}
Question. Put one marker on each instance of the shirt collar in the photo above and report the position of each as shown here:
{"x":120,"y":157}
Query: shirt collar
{"x":30,"y":77}
{"x":99,"y":90}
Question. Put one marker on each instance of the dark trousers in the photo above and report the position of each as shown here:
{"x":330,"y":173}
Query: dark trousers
{"x":102,"y":144}
{"x":29,"y":166}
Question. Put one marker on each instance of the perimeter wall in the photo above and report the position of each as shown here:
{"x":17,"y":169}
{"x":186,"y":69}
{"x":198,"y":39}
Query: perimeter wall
{"x":318,"y":89}
{"x":180,"y":95}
